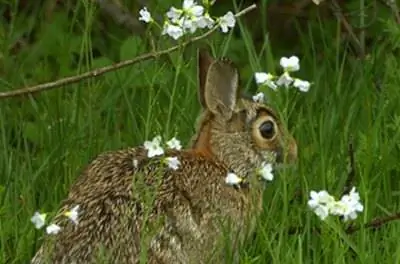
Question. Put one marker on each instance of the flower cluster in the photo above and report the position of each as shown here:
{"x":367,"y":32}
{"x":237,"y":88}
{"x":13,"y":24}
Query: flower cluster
{"x":323,"y":204}
{"x":265,"y":172}
{"x":290,"y":64}
{"x":154,"y":148}
{"x":191,"y":17}
{"x":39,"y":220}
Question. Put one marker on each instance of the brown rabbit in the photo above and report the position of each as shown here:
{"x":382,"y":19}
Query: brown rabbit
{"x":133,"y":209}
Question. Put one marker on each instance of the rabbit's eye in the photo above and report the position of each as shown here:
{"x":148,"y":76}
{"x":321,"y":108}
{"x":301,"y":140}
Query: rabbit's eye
{"x":267,"y":129}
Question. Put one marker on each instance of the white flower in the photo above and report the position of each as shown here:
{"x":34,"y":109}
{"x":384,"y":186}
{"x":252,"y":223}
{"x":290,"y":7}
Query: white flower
{"x":351,"y":205}
{"x":266,"y":171}
{"x":284,"y":80}
{"x":38,"y":219}
{"x":290,"y":64}
{"x":349,"y":215}
{"x":173,"y":31}
{"x":153,"y":147}
{"x":192,"y":8}
{"x":73,"y":214}
{"x":145,"y":15}
{"x":173,"y":143}
{"x":303,"y":86}
{"x":322,"y":212}
{"x":188,"y":24}
{"x":344,"y":210}
{"x":347,"y":210}
{"x":337,"y":208}
{"x":227,"y":21}
{"x":262,"y":77}
{"x":204,"y":21}
{"x":265,"y":79}
{"x":320,"y":198}
{"x":186,"y":17}
{"x":354,"y":196}
{"x":174,"y":14}
{"x":259,"y":98}
{"x":353,"y":200}
{"x":173,"y":162}
{"x":53,"y":229}
{"x":323,"y":204}
{"x":232,"y":179}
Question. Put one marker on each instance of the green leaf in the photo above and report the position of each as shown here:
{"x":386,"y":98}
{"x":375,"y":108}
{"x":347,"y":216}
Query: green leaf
{"x":101,"y":62}
{"x":132,"y":47}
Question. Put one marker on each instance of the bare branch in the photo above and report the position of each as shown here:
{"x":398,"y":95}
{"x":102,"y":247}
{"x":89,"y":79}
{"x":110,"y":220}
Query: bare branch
{"x":374,"y":223}
{"x":100,"y":71}
{"x":335,"y":7}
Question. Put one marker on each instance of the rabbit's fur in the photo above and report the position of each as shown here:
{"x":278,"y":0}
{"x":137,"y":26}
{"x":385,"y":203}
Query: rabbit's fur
{"x":131,"y":212}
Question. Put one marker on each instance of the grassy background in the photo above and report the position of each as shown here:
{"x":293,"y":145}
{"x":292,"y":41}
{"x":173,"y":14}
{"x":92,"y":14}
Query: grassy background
{"x":46,"y":139}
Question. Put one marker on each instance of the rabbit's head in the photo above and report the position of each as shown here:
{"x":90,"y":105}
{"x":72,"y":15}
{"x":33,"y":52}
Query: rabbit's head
{"x":233,"y":129}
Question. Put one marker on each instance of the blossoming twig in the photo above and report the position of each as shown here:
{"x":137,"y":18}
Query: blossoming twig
{"x":323,"y":204}
{"x":110,"y":68}
{"x":291,"y":64}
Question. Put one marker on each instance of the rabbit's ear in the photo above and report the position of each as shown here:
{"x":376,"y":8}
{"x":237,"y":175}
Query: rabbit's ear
{"x":204,"y":62}
{"x":222,"y":88}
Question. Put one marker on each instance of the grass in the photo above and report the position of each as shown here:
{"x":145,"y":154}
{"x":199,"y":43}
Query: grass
{"x":45,"y":140}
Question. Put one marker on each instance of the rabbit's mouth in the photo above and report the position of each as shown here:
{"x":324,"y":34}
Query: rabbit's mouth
{"x":272,"y":157}
{"x":278,"y":158}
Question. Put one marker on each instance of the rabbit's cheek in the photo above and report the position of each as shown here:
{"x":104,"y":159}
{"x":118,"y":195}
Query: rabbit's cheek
{"x":270,"y":156}
{"x":290,"y":151}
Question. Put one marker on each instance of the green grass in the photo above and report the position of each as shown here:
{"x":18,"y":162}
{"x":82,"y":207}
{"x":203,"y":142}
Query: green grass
{"x":46,"y":139}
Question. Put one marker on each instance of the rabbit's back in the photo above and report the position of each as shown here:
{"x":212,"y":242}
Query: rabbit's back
{"x":129,"y":202}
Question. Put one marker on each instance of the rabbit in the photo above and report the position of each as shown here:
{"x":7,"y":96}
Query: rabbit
{"x":132,"y":209}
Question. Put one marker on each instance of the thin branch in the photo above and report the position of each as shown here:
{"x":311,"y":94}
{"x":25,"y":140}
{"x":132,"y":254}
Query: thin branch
{"x":352,"y":171}
{"x":101,"y":71}
{"x":376,"y":223}
{"x":335,"y":7}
